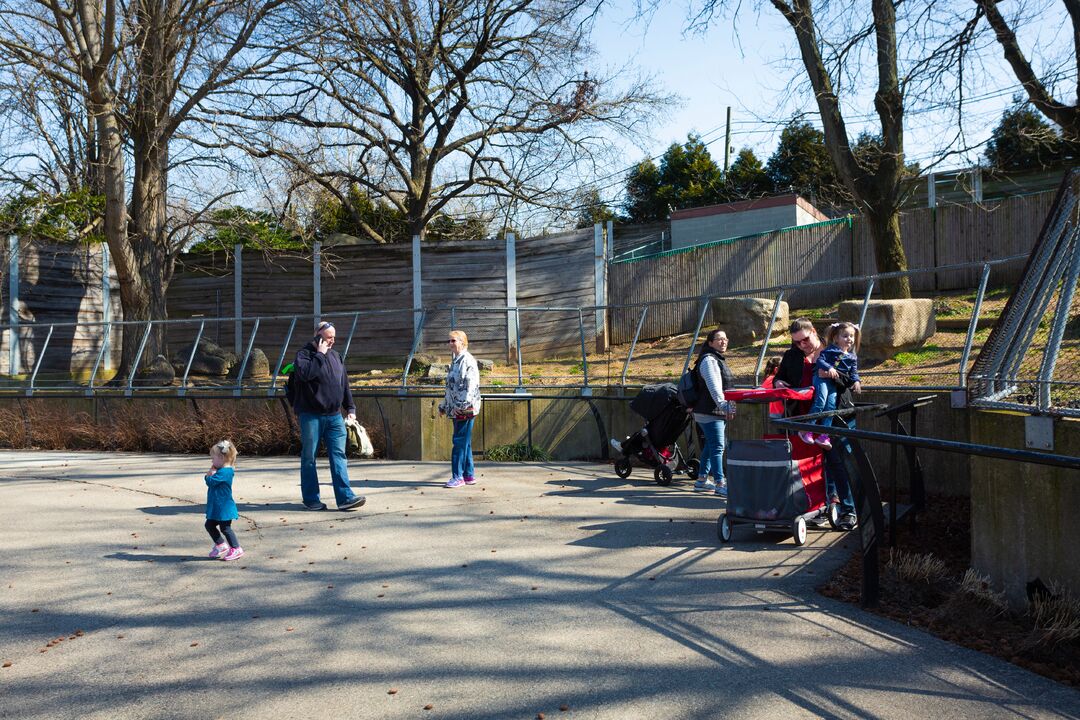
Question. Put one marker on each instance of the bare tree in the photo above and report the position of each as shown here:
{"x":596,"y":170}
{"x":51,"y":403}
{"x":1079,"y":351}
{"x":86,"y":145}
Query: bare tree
{"x":429,"y":106}
{"x":1040,"y":90}
{"x":142,"y":70}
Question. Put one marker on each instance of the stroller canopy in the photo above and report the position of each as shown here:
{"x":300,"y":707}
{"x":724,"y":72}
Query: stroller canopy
{"x":654,"y":399}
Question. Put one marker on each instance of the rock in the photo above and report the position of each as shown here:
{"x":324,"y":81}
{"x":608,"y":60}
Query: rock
{"x":746,"y":320}
{"x":422,"y":361}
{"x":485,"y":365}
{"x":375,"y":372}
{"x":258,"y":366}
{"x":437,"y":371}
{"x":158,"y":372}
{"x":210,"y":359}
{"x":891,"y":326}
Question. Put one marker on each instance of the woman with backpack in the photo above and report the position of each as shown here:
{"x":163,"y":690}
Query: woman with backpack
{"x":711,"y":411}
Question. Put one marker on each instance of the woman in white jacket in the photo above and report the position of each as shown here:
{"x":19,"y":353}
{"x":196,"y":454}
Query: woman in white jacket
{"x":462,"y":403}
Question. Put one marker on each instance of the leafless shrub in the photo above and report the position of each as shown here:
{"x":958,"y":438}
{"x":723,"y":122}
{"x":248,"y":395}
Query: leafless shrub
{"x":913,"y":567}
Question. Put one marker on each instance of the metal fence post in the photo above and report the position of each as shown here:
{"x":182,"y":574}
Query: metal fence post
{"x":768,"y":336}
{"x":106,"y":307}
{"x":584,"y":360}
{"x":633,"y":344}
{"x":238,"y":302}
{"x":39,"y":360}
{"x":244,"y":363}
{"x":1057,"y":330}
{"x":316,"y":279}
{"x":599,"y":278}
{"x":931,"y":191}
{"x":417,"y":287}
{"x":697,"y":331}
{"x":511,"y":297}
{"x":973,"y":325}
{"x":13,"y":305}
{"x":866,"y":302}
{"x":191,"y":358}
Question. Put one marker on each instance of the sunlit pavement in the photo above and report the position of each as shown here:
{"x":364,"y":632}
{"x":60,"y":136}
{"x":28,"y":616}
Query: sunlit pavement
{"x":541,"y":588}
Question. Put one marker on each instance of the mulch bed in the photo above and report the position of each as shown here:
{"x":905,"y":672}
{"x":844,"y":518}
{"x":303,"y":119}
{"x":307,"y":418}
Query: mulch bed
{"x":942,"y":608}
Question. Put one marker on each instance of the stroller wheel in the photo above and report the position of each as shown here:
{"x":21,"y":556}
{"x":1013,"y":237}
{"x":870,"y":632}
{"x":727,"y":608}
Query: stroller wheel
{"x":662,"y":475}
{"x":798,"y":530}
{"x":622,"y":467}
{"x":723,"y":528}
{"x":693,"y":467}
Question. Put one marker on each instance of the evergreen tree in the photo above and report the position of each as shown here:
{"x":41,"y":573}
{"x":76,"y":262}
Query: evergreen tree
{"x":746,"y":178}
{"x":801,"y":165}
{"x":687,"y":177}
{"x":1023,"y":140}
{"x":642,"y":188}
{"x":591,"y":209}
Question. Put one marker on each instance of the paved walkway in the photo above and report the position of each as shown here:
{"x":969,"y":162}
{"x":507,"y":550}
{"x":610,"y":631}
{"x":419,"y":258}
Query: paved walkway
{"x":545,"y":586}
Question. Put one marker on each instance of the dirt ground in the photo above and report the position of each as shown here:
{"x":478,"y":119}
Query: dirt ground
{"x":941,"y":606}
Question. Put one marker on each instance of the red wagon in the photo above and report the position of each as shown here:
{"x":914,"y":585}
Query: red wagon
{"x":775,"y":483}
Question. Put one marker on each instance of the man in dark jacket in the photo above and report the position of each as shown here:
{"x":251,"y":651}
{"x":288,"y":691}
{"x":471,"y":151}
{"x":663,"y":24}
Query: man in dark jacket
{"x":322,"y":391}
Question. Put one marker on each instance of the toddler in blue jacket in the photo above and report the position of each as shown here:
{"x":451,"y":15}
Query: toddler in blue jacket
{"x":220,"y":506}
{"x":839,"y":362}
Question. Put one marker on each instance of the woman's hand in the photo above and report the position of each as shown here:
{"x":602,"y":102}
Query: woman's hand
{"x":857,"y":387}
{"x":780,"y":384}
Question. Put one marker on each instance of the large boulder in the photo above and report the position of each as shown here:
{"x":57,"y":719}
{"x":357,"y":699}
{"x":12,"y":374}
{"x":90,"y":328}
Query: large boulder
{"x":485,"y":365}
{"x":437,"y":371}
{"x":210,"y":359}
{"x":891,"y":326}
{"x":157,"y":373}
{"x":746,"y":319}
{"x":422,"y":361}
{"x":258,"y":366}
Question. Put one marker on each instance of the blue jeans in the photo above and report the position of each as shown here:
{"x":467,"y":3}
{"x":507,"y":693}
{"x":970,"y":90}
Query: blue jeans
{"x":461,"y":464}
{"x":712,"y":455}
{"x":824,"y":398}
{"x":837,"y":481}
{"x":331,"y":430}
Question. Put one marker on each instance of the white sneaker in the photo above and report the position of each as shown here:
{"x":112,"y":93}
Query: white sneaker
{"x":704,"y":484}
{"x":617,"y":445}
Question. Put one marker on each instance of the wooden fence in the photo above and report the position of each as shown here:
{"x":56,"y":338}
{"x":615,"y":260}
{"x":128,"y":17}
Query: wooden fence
{"x":838,"y":249}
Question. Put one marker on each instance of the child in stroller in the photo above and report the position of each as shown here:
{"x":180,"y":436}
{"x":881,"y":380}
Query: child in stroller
{"x":655,"y":445}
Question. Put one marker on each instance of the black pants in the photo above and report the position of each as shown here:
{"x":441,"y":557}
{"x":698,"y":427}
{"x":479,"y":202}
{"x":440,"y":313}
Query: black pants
{"x":226,"y":528}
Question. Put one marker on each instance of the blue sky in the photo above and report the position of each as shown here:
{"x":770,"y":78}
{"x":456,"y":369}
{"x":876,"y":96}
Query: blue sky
{"x":752,"y":65}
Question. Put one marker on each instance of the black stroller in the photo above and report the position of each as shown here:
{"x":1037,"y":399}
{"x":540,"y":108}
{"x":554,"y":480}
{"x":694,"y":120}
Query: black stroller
{"x":655,"y":445}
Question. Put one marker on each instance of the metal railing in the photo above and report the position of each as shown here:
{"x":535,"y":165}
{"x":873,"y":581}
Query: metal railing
{"x":409,"y":327}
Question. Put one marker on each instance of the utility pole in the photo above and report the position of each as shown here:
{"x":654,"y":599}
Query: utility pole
{"x":727,"y":140}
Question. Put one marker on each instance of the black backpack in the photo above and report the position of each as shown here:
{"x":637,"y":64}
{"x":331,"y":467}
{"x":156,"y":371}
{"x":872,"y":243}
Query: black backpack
{"x":289,"y":371}
{"x":687,"y":388}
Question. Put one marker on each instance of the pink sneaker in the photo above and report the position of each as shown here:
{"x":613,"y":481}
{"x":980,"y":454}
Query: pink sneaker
{"x":219,"y":550}
{"x":807,"y":437}
{"x":824,"y":442}
{"x":233,"y":554}
{"x":454,"y":482}
{"x":470,"y":480}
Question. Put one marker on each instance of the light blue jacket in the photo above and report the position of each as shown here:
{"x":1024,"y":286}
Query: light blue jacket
{"x":219,"y":500}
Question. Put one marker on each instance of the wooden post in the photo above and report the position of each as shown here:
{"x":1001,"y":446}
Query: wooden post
{"x":316,"y":281}
{"x":600,"y":276}
{"x":13,"y":305}
{"x":417,"y":283}
{"x":511,"y":297}
{"x":238,"y":304}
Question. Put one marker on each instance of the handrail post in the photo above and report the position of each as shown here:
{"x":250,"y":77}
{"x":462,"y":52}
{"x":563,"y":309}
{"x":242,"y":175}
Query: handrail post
{"x":138,"y":357}
{"x":584,"y":360}
{"x":247,"y":356}
{"x":352,"y":331}
{"x":517,"y":343}
{"x":191,"y":358}
{"x":768,"y":337}
{"x":697,"y":331}
{"x":40,"y":359}
{"x":973,"y":325}
{"x":97,"y":363}
{"x":419,"y":325}
{"x":281,"y":357}
{"x":1057,"y":330}
{"x":633,"y":344}
{"x":866,"y":302}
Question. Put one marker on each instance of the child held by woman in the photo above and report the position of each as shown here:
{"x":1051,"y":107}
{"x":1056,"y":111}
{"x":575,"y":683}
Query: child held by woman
{"x":838,"y":363}
{"x":220,"y":506}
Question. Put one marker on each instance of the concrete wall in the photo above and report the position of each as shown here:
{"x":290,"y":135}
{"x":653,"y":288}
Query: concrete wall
{"x":1024,"y":518}
{"x":694,"y":231}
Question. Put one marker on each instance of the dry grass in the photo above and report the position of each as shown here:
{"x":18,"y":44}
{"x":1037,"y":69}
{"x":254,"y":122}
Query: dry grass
{"x":257,"y":427}
{"x":978,"y":586}
{"x":916,"y":568}
{"x":1056,"y":615}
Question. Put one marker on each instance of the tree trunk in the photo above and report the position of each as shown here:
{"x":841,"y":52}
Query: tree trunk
{"x":889,"y":251}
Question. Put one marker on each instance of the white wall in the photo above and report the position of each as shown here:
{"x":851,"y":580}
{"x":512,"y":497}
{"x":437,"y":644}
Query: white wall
{"x":695,"y":231}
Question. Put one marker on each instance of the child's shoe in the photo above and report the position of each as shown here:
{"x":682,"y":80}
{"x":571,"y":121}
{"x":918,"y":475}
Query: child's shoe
{"x":454,"y":482}
{"x":704,"y":484}
{"x":824,"y":442}
{"x":469,"y":480}
{"x":807,"y":437}
{"x":233,"y":554}
{"x":219,"y":550}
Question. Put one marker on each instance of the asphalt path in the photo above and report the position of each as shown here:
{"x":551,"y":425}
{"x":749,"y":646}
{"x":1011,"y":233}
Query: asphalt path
{"x":546,"y":588}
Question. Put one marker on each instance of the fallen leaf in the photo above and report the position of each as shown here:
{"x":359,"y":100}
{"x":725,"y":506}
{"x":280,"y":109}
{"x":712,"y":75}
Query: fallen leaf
{"x":429,"y":706}
{"x":392,"y":691}
{"x":288,"y":629}
{"x":8,"y":664}
{"x":564,"y":707}
{"x":194,"y":644}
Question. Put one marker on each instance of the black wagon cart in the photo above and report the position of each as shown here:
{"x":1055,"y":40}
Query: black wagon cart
{"x":777,"y":482}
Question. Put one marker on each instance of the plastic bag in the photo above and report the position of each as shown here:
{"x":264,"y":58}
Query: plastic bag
{"x":357,"y":442}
